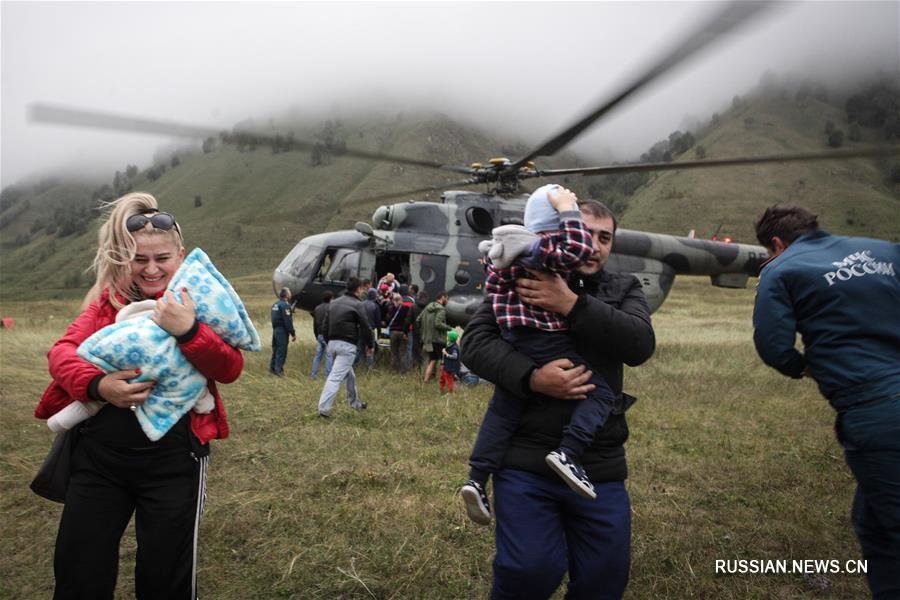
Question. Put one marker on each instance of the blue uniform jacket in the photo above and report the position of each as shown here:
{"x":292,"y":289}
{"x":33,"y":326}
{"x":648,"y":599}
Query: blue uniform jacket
{"x":843,"y":296}
{"x":282,"y":316}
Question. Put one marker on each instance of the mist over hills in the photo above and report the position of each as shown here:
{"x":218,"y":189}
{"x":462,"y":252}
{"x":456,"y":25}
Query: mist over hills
{"x":247,"y":206}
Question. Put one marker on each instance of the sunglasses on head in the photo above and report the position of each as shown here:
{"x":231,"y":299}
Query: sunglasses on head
{"x":159,"y":220}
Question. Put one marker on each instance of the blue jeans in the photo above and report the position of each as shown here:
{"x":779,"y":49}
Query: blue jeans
{"x":870,"y":435}
{"x":408,"y":362}
{"x":344,"y":353}
{"x":545,"y":529}
{"x":320,"y":351}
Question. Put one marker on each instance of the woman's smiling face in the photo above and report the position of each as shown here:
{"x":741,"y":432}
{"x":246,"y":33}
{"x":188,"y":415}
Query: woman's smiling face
{"x":157,"y":258}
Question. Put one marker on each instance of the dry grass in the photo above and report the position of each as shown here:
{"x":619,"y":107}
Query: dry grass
{"x":728,"y":460}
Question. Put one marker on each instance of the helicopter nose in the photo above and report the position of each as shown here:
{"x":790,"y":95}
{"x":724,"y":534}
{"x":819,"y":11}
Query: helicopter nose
{"x":279,"y":280}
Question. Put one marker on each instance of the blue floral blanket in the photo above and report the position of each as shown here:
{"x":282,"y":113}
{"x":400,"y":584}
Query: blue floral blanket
{"x":138,"y":342}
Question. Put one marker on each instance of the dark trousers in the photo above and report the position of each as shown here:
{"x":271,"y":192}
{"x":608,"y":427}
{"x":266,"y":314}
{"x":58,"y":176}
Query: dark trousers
{"x":505,"y":409}
{"x":279,"y":350}
{"x":416,"y":349}
{"x":870,"y":435}
{"x":544,"y":529}
{"x":398,"y":351}
{"x":164,"y":489}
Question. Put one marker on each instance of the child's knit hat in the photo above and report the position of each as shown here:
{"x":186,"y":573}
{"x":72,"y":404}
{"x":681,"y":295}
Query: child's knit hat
{"x":539,"y":213}
{"x":452,"y":336}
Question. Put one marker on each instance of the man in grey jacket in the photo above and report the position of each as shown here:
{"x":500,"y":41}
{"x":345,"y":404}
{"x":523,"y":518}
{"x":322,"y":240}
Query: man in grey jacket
{"x":345,"y":324}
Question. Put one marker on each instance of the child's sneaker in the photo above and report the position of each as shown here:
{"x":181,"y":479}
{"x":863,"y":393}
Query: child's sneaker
{"x":572,"y":473}
{"x":476,"y":500}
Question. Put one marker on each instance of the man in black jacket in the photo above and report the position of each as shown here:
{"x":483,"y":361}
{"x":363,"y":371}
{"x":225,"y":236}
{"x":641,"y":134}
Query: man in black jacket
{"x":543,"y":527}
{"x":345,"y":323}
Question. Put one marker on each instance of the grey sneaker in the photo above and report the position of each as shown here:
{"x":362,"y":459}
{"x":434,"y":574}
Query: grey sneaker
{"x":572,"y":473}
{"x":476,"y":500}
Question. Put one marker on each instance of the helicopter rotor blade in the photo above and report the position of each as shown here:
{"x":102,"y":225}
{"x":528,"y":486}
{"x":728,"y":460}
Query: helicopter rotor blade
{"x":76,"y":117}
{"x":724,"y":162}
{"x":432,"y":188}
{"x":730,"y":17}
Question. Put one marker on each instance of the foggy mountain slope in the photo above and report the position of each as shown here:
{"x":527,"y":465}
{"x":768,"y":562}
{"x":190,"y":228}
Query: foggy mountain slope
{"x":852,"y":197}
{"x":248,"y":207}
{"x":254,"y":205}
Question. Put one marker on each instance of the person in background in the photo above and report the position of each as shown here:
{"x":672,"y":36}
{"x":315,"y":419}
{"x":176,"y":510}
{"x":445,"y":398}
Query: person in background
{"x":282,"y":327}
{"x":433,"y":325}
{"x":116,"y":472}
{"x":415,"y":329}
{"x":319,"y":315}
{"x":393,"y":286}
{"x":373,"y":311}
{"x":842,"y":295}
{"x":398,"y":330}
{"x":345,"y":324}
{"x":412,"y":291}
{"x":450,"y":364}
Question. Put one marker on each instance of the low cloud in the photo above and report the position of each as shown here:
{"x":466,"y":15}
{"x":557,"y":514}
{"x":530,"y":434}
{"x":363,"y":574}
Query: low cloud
{"x":524,"y":68}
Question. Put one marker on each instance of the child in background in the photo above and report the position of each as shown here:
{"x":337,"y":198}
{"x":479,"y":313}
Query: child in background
{"x":450,"y":364}
{"x":553,"y":239}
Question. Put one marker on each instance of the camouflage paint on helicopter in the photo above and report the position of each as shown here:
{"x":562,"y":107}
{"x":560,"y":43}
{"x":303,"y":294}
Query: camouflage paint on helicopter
{"x":435,"y":245}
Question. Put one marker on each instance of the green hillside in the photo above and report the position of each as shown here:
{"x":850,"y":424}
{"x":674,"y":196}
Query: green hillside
{"x":254,"y":204}
{"x":852,"y":197}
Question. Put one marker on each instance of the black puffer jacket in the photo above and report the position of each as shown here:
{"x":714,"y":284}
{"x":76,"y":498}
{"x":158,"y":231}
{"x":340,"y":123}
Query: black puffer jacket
{"x":611,"y":325}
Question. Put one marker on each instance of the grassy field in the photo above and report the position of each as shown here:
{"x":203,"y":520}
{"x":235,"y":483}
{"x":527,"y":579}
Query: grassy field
{"x":728,"y":461}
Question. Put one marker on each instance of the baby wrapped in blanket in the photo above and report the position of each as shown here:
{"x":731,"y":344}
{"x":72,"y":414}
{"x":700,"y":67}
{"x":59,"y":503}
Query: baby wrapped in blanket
{"x":135,"y":341}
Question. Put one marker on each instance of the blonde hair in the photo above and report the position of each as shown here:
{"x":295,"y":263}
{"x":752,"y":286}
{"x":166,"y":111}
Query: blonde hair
{"x":116,"y":246}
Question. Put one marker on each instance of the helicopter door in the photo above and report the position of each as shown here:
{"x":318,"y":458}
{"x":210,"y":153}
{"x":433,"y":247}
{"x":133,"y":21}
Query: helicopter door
{"x":392,"y":262}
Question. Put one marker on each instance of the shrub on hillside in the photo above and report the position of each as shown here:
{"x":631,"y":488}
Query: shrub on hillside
{"x":895,"y":173}
{"x":836,"y":138}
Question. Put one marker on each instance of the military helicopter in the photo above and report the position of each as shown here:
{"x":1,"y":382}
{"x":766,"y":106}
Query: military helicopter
{"x":435,"y":244}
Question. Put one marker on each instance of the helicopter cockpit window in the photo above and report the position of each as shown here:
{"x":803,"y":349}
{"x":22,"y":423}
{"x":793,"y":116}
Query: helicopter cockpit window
{"x":339,"y":264}
{"x":301,"y":261}
{"x":480,"y":220}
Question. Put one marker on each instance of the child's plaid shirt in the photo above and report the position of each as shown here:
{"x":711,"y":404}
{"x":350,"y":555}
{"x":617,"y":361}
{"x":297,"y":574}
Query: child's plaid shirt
{"x":561,"y":252}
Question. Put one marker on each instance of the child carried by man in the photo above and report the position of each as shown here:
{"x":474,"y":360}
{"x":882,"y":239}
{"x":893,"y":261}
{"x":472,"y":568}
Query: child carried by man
{"x":555,"y":239}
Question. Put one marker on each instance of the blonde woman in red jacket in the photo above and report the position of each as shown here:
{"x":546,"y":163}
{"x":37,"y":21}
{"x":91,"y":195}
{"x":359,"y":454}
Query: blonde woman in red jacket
{"x":116,"y":470}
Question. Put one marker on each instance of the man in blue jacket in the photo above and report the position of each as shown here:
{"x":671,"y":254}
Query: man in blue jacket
{"x":282,"y":327}
{"x":842,"y":295}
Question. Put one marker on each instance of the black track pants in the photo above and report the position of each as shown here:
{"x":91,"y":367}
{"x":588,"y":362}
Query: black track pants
{"x":164,"y":489}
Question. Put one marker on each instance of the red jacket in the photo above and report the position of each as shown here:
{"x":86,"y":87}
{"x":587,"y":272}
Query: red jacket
{"x":72,"y":375}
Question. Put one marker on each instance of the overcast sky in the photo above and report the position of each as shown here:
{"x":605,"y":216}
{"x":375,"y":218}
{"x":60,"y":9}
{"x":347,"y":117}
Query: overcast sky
{"x":525,"y":67}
